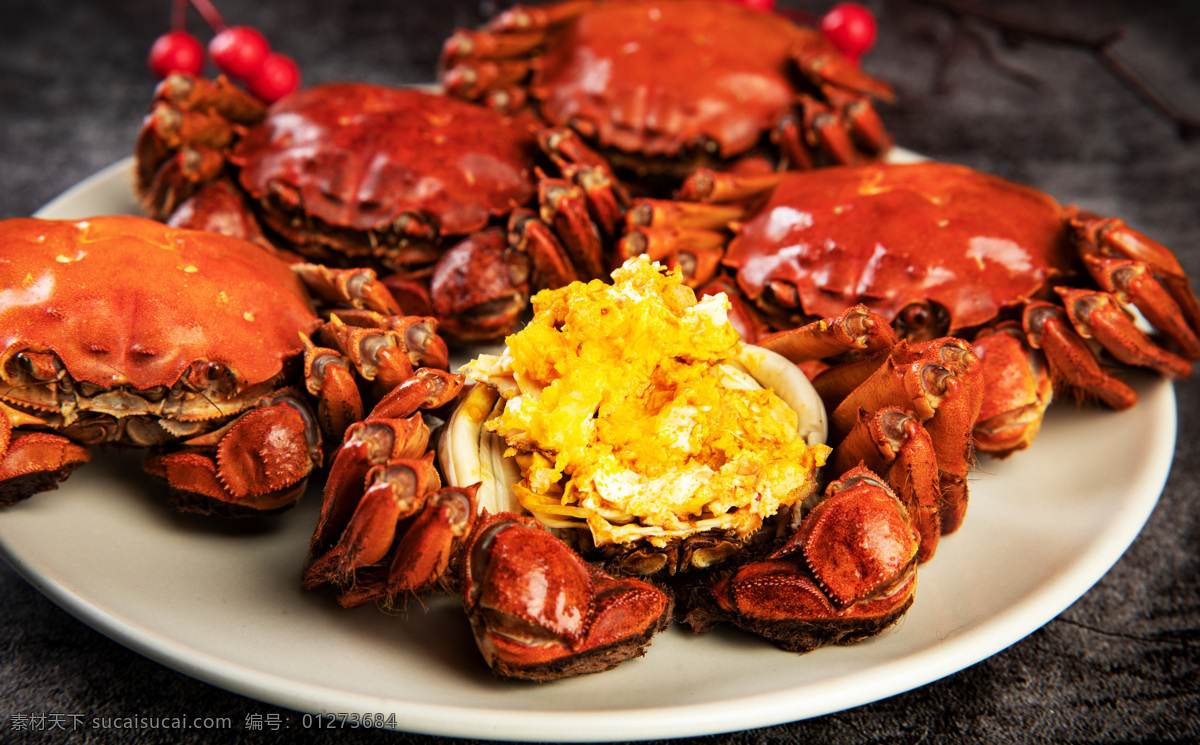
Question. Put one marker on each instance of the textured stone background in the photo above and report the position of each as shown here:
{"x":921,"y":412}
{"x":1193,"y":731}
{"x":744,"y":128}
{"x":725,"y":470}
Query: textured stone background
{"x":1120,"y":665}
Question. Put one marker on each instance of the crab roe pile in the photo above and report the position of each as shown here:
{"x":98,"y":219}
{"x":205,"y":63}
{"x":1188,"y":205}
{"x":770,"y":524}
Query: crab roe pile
{"x":627,"y":414}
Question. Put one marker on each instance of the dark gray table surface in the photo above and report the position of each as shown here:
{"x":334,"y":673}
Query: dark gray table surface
{"x":1122,"y":664}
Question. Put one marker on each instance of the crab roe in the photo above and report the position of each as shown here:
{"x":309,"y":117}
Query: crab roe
{"x":628,"y":414}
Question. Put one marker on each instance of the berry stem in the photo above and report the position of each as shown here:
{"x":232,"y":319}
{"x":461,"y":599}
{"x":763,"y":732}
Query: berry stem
{"x":179,"y":15}
{"x":210,"y":14}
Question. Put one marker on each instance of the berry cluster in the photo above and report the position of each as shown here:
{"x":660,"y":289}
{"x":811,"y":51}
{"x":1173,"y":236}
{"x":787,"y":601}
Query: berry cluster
{"x":241,"y":52}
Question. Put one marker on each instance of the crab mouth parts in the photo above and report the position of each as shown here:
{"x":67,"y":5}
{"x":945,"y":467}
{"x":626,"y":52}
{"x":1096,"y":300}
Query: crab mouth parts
{"x":204,"y":398}
{"x":410,"y":241}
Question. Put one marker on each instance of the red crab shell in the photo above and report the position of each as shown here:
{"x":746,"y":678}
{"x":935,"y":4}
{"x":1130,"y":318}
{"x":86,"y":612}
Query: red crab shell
{"x":354,"y":158}
{"x":221,"y":305}
{"x":659,"y":101}
{"x":664,"y":85}
{"x":999,"y":243}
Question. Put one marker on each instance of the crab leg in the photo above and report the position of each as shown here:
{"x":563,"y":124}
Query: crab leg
{"x":476,"y":80}
{"x":585,"y":168}
{"x":356,"y":288}
{"x":564,"y":207}
{"x":167,"y":128}
{"x":666,"y":213}
{"x":328,"y":378}
{"x":789,"y":134}
{"x":857,"y":328}
{"x":891,"y":442}
{"x":1111,"y":235}
{"x":706,"y":185}
{"x":423,"y":554}
{"x":183,"y":150}
{"x":178,"y":178}
{"x":521,"y":17}
{"x":940,"y":382}
{"x":820,"y":61}
{"x":697,"y":253}
{"x":826,"y":133}
{"x":552,"y":266}
{"x":389,"y":492}
{"x":1096,"y":315}
{"x":428,"y":388}
{"x":1133,"y":282}
{"x":1070,"y":358}
{"x":367,"y":445}
{"x":862,"y":121}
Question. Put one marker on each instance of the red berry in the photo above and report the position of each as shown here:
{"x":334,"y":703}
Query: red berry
{"x":176,"y":51}
{"x":851,"y":28}
{"x":239,"y":51}
{"x":277,"y":76}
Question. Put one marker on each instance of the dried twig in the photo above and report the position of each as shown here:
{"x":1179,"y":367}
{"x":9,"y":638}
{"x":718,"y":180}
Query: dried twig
{"x":1100,"y":47}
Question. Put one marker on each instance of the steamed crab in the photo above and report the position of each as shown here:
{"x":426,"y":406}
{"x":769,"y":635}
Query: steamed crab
{"x":566,"y":538}
{"x":450,"y":202}
{"x":201,"y":347}
{"x":939,"y":249}
{"x":661,"y":87}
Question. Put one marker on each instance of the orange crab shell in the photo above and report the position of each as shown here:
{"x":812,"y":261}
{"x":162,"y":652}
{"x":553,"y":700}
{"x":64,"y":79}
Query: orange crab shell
{"x":129,"y":301}
{"x":358,"y":156}
{"x":998,"y":243}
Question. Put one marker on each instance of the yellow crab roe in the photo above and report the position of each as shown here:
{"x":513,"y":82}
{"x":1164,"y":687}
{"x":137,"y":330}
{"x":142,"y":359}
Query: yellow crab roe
{"x":630,"y":391}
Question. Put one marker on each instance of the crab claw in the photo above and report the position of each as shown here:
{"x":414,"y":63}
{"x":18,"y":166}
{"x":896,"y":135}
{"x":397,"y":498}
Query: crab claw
{"x":259,"y":463}
{"x":847,"y":573}
{"x":479,"y":287}
{"x":1019,"y":388}
{"x":31,"y":462}
{"x":540,"y":612}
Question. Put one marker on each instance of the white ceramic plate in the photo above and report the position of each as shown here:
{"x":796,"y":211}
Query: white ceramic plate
{"x":222,"y":602}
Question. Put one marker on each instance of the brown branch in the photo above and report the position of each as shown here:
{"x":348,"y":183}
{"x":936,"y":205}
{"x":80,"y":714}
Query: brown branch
{"x":1101,"y":47}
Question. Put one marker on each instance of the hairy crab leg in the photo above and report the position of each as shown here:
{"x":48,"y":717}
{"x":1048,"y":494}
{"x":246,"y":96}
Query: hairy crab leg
{"x":1096,"y":315}
{"x":424,"y":552}
{"x":1111,"y":235}
{"x":581,"y":165}
{"x":940,"y":382}
{"x":1132,"y":282}
{"x":697,"y":253}
{"x":183,"y":153}
{"x":1071,"y":360}
{"x":564,"y":208}
{"x":390,"y":492}
{"x":354,"y":288}
{"x":707,"y":185}
{"x":367,"y":445}
{"x":855,"y":329}
{"x":552,"y":265}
